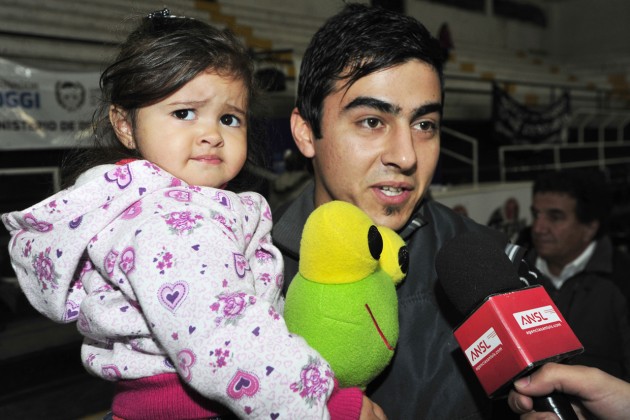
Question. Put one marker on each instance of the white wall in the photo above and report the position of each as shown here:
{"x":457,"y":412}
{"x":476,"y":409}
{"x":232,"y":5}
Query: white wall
{"x":483,"y":200}
{"x":576,"y":29}
{"x":470,"y":28}
{"x":315,"y":8}
{"x":589,"y":28}
{"x":474,"y":29}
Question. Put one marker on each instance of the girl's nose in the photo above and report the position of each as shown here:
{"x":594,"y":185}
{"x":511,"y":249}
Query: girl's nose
{"x":212,"y":135}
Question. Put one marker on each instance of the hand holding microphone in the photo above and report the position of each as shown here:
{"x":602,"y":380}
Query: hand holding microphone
{"x":510,"y":330}
{"x":600,"y":394}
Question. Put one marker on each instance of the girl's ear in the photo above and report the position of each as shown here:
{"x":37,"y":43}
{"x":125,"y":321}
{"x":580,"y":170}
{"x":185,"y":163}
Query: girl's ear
{"x":302,"y":134}
{"x":119,"y":119}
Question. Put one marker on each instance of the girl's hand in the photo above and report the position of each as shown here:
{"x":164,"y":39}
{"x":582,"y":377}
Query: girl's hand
{"x":371,"y":411}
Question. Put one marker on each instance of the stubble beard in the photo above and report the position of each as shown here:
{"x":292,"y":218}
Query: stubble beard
{"x":391,"y":210}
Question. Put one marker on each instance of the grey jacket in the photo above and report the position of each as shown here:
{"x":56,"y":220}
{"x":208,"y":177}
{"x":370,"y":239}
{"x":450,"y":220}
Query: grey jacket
{"x":429,"y":376}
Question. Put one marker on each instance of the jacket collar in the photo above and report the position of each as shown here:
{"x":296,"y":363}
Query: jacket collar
{"x":287,"y":231}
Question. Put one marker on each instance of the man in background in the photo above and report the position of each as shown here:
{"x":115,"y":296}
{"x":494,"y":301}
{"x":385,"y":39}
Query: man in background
{"x":579,"y":265}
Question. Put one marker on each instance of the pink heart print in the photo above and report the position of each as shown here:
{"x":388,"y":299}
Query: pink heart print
{"x":178,"y":195}
{"x":240,"y":264}
{"x":132,"y":211}
{"x":185,"y":360}
{"x":243,"y":384}
{"x":37,"y":224}
{"x":121,"y":175}
{"x":172,"y":295}
{"x":127,"y":260}
{"x":222,"y":198}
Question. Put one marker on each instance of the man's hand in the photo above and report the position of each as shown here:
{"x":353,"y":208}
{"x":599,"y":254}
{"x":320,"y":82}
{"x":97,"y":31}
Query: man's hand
{"x":595,"y":392}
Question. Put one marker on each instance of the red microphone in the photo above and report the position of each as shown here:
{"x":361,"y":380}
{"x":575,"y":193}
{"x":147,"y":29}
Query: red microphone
{"x":510,"y":329}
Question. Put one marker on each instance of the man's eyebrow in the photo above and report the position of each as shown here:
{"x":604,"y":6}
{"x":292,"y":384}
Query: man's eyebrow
{"x":427,"y":109}
{"x":556,"y":212}
{"x":550,"y":212}
{"x":369,"y":102}
{"x":379,"y":105}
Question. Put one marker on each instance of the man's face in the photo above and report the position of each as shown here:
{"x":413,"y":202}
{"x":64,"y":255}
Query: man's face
{"x":380,"y":142}
{"x":558,"y":236}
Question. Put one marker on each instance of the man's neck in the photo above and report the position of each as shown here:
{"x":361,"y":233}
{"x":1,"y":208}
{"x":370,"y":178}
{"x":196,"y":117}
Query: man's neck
{"x":561,"y":271}
{"x":556,"y":268}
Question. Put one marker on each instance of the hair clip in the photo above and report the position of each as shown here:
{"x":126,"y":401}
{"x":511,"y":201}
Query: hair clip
{"x":160,"y":14}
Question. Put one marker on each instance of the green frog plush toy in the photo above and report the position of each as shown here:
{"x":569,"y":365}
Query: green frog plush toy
{"x":343,"y":299}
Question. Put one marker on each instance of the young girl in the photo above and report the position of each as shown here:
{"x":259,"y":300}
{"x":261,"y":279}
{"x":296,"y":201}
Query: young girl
{"x":172,"y":279}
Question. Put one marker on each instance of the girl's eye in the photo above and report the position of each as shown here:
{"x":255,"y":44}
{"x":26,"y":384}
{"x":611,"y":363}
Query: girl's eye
{"x":371,"y":122}
{"x":230,"y":120}
{"x":184,"y":114}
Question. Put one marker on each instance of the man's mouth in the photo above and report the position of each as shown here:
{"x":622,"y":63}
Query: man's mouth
{"x":391,"y":191}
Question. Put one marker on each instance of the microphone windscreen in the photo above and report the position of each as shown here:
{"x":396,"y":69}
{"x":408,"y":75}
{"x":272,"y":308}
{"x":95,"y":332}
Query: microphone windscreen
{"x":471,"y":267}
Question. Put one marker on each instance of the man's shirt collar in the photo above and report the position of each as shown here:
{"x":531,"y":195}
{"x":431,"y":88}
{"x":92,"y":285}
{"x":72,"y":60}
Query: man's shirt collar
{"x":569,"y":270}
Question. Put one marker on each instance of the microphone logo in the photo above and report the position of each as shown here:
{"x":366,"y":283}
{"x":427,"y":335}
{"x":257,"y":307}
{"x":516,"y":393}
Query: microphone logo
{"x":484,"y":346}
{"x":536,"y":317}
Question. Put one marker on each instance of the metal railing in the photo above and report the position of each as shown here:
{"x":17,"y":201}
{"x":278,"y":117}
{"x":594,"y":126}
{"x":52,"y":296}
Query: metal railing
{"x":587,"y":117}
{"x":598,"y":97}
{"x":604,"y":152}
{"x":473,"y":160}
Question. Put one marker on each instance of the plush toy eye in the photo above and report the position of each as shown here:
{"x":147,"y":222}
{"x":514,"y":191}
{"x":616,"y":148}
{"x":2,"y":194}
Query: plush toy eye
{"x":375,"y":242}
{"x":403,"y":259}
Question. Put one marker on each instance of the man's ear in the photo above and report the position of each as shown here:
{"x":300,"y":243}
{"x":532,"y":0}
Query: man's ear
{"x":122,"y":126}
{"x":302,"y":134}
{"x":591,"y":230}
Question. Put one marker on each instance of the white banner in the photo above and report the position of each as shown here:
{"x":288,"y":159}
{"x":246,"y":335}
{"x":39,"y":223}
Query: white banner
{"x":45,"y":109}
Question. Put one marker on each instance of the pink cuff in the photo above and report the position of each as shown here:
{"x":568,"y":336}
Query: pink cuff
{"x":345,"y":403}
{"x":161,"y":397}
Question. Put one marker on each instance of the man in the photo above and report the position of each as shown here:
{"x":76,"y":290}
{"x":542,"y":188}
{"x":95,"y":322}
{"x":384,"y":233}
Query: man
{"x":368,"y":116}
{"x":570,"y":211}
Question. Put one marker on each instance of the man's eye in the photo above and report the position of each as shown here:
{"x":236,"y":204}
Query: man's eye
{"x":184,"y":114}
{"x":427,"y":125}
{"x":371,"y":122}
{"x":230,"y":120}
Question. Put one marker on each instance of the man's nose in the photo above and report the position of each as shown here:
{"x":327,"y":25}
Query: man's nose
{"x":400,"y":150}
{"x":539,"y":225}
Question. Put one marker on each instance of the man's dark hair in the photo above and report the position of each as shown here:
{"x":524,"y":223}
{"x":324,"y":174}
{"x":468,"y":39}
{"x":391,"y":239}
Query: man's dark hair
{"x":354,"y":43}
{"x":589,"y":189}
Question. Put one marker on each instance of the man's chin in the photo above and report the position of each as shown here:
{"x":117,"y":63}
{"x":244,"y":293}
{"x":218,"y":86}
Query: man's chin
{"x":392,"y":217}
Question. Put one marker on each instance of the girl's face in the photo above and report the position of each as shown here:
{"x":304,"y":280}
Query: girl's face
{"x":198,"y":134}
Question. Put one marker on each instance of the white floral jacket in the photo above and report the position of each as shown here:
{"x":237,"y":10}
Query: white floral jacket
{"x":166,"y":277}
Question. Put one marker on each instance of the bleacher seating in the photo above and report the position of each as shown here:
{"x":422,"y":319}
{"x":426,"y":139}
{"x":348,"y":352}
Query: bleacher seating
{"x":532,"y":79}
{"x":70,"y":34}
{"x":82,"y":34}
